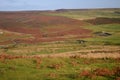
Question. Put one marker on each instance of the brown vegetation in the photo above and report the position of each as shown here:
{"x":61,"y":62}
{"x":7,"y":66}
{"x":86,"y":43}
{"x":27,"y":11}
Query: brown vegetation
{"x":38,"y":62}
{"x":41,"y":26}
{"x":52,"y":75}
{"x":98,"y":21}
{"x":56,"y":66}
{"x":74,"y":63}
{"x":85,"y":73}
{"x":101,"y":72}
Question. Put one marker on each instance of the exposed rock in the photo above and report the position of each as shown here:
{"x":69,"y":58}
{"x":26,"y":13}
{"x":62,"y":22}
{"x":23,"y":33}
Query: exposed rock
{"x":102,"y":33}
{"x":81,"y":41}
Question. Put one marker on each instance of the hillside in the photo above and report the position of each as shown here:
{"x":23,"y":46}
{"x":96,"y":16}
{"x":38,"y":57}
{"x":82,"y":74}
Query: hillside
{"x":63,"y":44}
{"x":41,"y":27}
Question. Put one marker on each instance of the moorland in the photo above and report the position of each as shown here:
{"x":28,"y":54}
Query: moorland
{"x":63,"y":44}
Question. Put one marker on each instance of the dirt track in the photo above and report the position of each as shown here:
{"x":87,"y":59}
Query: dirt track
{"x":79,"y":55}
{"x":72,"y":54}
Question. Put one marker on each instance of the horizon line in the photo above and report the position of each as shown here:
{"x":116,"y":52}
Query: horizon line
{"x":54,"y":9}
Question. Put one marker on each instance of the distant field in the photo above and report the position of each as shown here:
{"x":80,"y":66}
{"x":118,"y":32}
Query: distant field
{"x":66,"y":44}
{"x":86,"y":13}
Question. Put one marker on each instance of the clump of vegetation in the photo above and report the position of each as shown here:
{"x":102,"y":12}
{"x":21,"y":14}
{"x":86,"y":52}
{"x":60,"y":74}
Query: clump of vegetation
{"x":52,"y":75}
{"x":38,"y":61}
{"x":55,"y":66}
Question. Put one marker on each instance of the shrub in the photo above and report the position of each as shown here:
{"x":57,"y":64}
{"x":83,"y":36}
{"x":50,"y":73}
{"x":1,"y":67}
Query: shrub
{"x":56,"y":66}
{"x":103,"y":72}
{"x":38,"y":61}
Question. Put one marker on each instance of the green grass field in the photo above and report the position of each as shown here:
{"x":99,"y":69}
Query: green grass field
{"x":114,"y":29}
{"x":58,"y":69}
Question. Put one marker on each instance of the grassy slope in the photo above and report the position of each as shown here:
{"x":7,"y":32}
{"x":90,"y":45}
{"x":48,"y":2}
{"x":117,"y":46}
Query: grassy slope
{"x":69,"y":69}
{"x":72,"y":45}
{"x":12,"y":36}
{"x":87,"y":14}
{"x":114,"y":29}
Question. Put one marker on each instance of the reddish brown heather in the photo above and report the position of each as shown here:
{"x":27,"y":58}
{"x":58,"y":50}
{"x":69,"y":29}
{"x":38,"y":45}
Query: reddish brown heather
{"x":34,"y":23}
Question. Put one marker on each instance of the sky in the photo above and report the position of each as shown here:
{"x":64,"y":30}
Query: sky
{"x":18,"y":5}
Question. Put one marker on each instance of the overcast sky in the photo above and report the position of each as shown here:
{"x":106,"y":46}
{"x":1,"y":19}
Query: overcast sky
{"x":13,"y":5}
